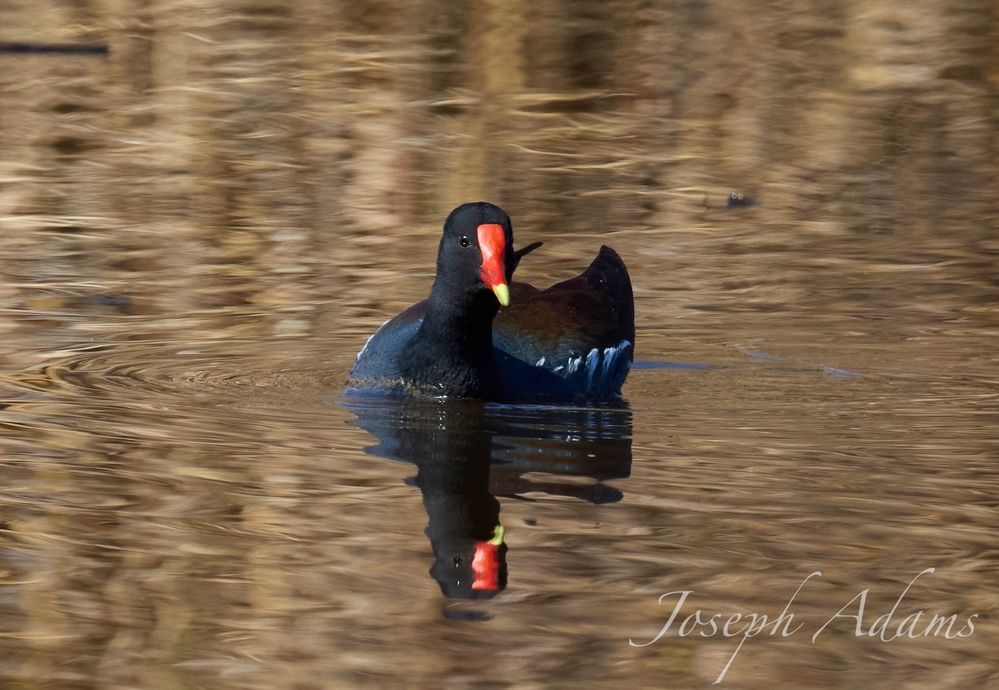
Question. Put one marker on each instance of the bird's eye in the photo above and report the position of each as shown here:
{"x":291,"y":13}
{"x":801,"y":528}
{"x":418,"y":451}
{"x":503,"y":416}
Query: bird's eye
{"x":464,"y":241}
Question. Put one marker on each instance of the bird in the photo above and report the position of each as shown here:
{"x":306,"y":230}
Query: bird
{"x":480,"y":335}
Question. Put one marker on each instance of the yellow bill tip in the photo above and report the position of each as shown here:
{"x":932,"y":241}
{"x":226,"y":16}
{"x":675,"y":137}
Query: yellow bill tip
{"x":502,"y":293}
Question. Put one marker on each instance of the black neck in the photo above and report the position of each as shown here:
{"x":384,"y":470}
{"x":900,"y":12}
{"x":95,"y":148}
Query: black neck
{"x":463,"y":321}
{"x":452,"y":353}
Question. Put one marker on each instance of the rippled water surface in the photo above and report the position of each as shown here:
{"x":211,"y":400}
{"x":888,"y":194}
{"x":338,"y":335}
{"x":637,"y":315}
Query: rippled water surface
{"x":200,"y":228}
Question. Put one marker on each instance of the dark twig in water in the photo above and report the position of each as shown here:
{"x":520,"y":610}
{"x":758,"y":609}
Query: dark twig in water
{"x":75,"y":48}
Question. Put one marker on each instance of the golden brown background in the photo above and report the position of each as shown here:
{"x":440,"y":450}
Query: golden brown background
{"x":198,"y":230}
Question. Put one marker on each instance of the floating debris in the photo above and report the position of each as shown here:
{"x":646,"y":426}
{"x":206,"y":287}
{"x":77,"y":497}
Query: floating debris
{"x":740,"y":200}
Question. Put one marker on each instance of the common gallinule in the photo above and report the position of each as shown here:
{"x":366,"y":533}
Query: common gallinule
{"x":574,"y":340}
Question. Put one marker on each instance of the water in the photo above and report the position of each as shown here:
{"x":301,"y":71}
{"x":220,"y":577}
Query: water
{"x":199,"y":230}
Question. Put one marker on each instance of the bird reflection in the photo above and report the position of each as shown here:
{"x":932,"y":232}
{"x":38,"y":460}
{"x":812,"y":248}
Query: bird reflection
{"x":467,"y":452}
